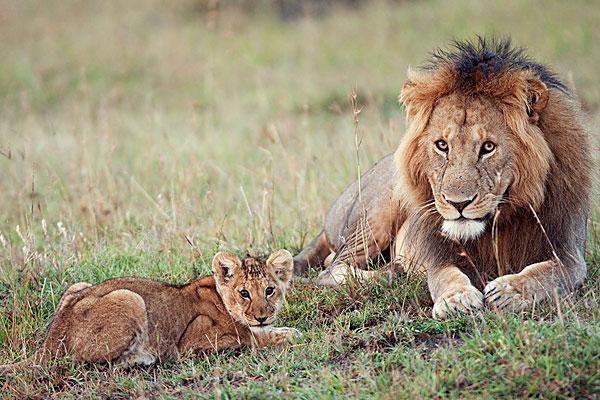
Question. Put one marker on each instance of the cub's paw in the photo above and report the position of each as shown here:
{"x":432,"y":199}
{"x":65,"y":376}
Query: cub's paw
{"x":143,"y":358}
{"x":285,"y":335}
{"x":291,"y":333}
{"x":461,"y":299}
{"x":505,"y":293}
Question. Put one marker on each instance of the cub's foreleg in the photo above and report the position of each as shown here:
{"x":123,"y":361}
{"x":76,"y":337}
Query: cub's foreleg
{"x":204,"y":334}
{"x":270,"y":336}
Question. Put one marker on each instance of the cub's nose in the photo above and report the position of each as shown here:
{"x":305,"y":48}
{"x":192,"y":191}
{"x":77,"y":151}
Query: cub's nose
{"x":261,"y":319}
{"x":460,"y":205}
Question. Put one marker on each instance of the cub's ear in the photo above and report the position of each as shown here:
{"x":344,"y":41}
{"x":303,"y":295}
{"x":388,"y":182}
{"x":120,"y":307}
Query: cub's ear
{"x":224,"y":266}
{"x":281,"y":264}
{"x":537,"y":99}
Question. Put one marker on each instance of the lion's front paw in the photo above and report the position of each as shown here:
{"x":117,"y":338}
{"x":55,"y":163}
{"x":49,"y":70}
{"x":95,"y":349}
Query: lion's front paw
{"x":456,"y":300}
{"x":334,"y":276}
{"x":504,"y":293}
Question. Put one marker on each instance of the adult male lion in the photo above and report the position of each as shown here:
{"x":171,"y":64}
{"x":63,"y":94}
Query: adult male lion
{"x":489,"y":190}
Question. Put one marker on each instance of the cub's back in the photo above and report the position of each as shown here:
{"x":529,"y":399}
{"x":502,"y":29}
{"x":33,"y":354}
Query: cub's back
{"x":169,"y":307}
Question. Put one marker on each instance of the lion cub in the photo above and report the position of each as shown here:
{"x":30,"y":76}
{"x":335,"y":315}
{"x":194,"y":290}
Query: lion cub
{"x":130,"y":321}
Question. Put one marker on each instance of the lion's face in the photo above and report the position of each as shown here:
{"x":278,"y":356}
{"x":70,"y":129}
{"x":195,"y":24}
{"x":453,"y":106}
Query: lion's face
{"x":470,"y":140}
{"x":253,"y":290}
{"x":468,"y":148}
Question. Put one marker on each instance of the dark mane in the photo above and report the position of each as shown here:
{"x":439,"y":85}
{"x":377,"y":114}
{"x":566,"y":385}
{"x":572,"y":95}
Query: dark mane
{"x":482,"y":57}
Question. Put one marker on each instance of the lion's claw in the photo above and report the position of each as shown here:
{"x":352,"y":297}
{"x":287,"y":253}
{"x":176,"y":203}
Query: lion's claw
{"x":490,"y":293}
{"x":503,"y":293}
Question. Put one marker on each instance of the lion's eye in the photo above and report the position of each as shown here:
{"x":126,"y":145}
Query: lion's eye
{"x":487,"y":148}
{"x":269,"y":291}
{"x":442,"y":145}
{"x":245,"y":294}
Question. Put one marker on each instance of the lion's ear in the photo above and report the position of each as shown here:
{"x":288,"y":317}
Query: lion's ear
{"x":224,"y":266}
{"x":420,"y":92}
{"x":537,"y":99}
{"x":281,"y":264}
{"x":409,"y":99}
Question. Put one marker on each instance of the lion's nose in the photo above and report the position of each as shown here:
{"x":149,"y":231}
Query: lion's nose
{"x":261,"y":319}
{"x":460,"y":205}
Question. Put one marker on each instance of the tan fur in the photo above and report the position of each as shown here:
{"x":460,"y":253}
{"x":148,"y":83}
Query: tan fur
{"x":129,"y":321}
{"x":503,"y":228}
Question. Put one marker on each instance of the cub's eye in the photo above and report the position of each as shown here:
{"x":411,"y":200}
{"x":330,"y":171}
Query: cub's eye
{"x":487,"y":148}
{"x":245,"y":294}
{"x":442,"y":145}
{"x":269,"y":291}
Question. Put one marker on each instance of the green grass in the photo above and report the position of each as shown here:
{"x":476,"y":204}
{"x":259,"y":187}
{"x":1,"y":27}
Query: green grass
{"x":140,"y":140}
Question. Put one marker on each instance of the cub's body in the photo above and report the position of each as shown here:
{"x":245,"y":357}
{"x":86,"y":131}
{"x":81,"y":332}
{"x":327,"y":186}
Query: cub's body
{"x":135,"y":320}
{"x":128,"y":321}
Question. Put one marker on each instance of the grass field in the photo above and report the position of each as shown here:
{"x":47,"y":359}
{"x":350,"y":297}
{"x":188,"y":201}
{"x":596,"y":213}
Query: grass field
{"x":138,"y":138}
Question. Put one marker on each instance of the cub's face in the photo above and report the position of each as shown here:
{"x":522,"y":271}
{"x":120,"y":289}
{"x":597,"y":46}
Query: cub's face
{"x":253,"y":290}
{"x":469,"y":164}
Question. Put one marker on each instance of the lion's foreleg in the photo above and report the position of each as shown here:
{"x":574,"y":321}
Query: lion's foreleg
{"x":402,"y":259}
{"x":535,"y":282}
{"x":452,"y":292}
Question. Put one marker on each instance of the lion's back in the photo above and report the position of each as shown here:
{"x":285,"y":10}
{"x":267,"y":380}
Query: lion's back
{"x":376,"y":193}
